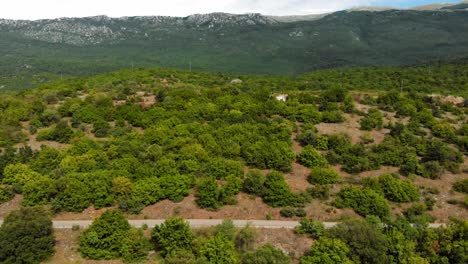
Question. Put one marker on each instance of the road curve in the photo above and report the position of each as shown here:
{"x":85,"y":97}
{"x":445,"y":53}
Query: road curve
{"x":197,"y":223}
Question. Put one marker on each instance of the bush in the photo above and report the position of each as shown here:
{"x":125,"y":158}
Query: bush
{"x":101,"y":128}
{"x":39,"y":191}
{"x":61,"y":133}
{"x":277,"y":192}
{"x":245,"y":238}
{"x":367,"y":243}
{"x":220,"y":168}
{"x":105,"y":238}
{"x":333,"y":117}
{"x":26,"y":236}
{"x":373,"y":120}
{"x":267,"y":254}
{"x":6,"y":193}
{"x":431,"y":169}
{"x":299,"y":212}
{"x":323,"y":176}
{"x":393,"y":188}
{"x":321,"y":192}
{"x":172,"y":236}
{"x":364,"y":201}
{"x":327,"y":250}
{"x":135,"y":246}
{"x":461,"y":186}
{"x":208,"y":194}
{"x":310,"y":157}
{"x":219,"y":250}
{"x":254,"y":182}
{"x":311,"y":227}
{"x":287,"y":212}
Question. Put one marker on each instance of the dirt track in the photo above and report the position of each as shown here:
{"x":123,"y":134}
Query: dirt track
{"x":197,"y":223}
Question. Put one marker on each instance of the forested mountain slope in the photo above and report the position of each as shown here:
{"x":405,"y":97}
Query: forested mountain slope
{"x":33,"y":52}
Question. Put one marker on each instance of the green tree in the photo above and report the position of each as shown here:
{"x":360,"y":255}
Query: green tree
{"x":373,"y":120}
{"x":310,"y":157}
{"x":277,"y":192}
{"x":364,"y":201}
{"x":135,"y":246}
{"x":367,"y":243}
{"x":245,"y":238}
{"x":208,"y":194}
{"x":327,"y":251}
{"x":39,"y":191}
{"x":461,"y":186}
{"x":219,"y":250}
{"x":311,"y":227}
{"x":172,"y":236}
{"x":101,"y":128}
{"x":393,"y":188}
{"x":254,"y":182}
{"x":323,"y":176}
{"x":26,"y":236}
{"x":6,"y":193}
{"x":105,"y":238}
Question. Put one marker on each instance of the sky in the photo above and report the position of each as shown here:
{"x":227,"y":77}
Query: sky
{"x":40,"y":9}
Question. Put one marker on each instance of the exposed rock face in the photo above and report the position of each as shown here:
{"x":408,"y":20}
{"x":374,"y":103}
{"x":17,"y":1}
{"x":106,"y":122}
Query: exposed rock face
{"x":105,"y":30}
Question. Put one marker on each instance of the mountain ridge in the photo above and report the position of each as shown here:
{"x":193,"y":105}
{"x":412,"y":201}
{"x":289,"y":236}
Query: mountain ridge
{"x":34,"y":52}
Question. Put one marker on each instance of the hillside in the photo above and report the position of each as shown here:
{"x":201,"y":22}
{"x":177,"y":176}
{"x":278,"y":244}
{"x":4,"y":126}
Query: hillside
{"x":34,"y":52}
{"x":161,"y":143}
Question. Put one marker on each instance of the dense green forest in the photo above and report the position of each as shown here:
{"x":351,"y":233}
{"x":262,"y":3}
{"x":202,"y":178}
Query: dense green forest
{"x":133,"y":138}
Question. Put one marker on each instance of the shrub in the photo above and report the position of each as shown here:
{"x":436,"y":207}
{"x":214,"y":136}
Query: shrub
{"x":310,"y":157}
{"x":461,"y":186}
{"x":101,"y":128}
{"x":208,"y":194}
{"x":6,"y":193}
{"x":172,"y":236}
{"x":394,"y":189}
{"x":319,"y":191}
{"x":39,"y":191}
{"x":327,"y":250}
{"x":333,"y":117}
{"x":61,"y":133}
{"x":135,"y":246}
{"x":311,"y":227}
{"x":367,"y":243}
{"x":444,"y":130}
{"x":267,"y":254}
{"x":254,"y":182}
{"x":26,"y":236}
{"x":219,"y":250}
{"x":323,"y":176}
{"x":364,"y":201}
{"x":373,"y":120}
{"x":277,"y":192}
{"x":431,"y":169}
{"x":105,"y":238}
{"x":287,"y":212}
{"x":245,"y":238}
{"x":220,"y":168}
{"x":299,"y":212}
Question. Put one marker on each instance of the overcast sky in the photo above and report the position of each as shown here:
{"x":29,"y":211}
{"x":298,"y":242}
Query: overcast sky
{"x":38,"y":9}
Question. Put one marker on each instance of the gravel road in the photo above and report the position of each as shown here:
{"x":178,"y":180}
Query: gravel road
{"x":201,"y":223}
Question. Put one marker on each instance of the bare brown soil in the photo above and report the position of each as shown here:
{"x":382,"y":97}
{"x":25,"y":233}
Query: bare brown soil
{"x":8,"y":207}
{"x":351,"y":127}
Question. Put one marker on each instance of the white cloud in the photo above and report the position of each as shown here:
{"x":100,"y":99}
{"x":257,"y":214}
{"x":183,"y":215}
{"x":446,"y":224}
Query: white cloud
{"x":37,"y":9}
